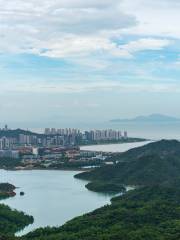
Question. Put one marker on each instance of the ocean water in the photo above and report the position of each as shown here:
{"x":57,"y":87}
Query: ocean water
{"x":153,"y":131}
{"x":119,"y":147}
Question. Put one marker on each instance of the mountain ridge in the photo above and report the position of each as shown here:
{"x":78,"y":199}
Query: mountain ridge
{"x":149,"y":118}
{"x":157,"y":162}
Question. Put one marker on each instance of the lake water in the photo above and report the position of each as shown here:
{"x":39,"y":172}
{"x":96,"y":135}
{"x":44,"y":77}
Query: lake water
{"x":119,"y":147}
{"x":51,"y":197}
{"x":54,"y":197}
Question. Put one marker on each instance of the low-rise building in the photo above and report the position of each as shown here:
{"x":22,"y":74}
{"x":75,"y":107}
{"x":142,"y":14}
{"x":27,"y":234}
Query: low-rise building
{"x":9,"y":154}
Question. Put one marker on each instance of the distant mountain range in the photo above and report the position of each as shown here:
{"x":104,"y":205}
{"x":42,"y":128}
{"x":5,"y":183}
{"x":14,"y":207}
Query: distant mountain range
{"x":149,"y":118}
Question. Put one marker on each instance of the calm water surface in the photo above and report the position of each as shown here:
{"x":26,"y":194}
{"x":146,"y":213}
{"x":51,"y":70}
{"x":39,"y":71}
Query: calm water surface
{"x":148,"y":130}
{"x":120,"y":147}
{"x":54,"y":197}
{"x":51,"y":197}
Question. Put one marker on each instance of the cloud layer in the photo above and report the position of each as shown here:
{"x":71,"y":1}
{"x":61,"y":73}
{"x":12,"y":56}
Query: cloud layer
{"x":60,"y":29}
{"x":56,"y":52}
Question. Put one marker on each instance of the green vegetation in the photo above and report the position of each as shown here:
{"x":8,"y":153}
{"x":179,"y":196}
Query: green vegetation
{"x":9,"y":163}
{"x":7,"y":187}
{"x":15,"y":133}
{"x":75,"y":164}
{"x":145,"y":166}
{"x":163,"y":148}
{"x":6,"y":190}
{"x":12,"y":221}
{"x":151,"y":213}
{"x":105,"y":187}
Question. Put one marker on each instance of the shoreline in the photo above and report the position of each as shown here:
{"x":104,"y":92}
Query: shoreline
{"x":75,"y":168}
{"x":47,"y":169}
{"x":131,"y":140}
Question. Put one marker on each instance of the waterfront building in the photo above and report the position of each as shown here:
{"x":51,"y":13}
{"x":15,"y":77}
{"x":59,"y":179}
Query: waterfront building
{"x":9,"y":154}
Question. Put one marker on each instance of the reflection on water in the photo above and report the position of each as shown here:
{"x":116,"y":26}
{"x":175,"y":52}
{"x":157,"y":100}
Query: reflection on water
{"x":51,"y":197}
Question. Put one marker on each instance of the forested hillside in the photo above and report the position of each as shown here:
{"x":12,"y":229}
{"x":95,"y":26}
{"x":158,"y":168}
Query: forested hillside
{"x":155,"y":163}
{"x":151,"y":213}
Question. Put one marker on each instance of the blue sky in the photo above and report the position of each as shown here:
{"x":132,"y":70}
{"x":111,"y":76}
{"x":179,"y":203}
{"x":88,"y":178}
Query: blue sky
{"x":77,"y":61}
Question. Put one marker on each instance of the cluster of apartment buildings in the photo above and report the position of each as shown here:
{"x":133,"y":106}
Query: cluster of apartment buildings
{"x":7,"y":142}
{"x":92,"y":135}
{"x":108,"y":134}
{"x":13,"y":140}
{"x":62,"y":131}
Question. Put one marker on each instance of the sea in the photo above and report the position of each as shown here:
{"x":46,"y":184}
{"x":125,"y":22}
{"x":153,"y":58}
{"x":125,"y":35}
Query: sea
{"x":148,"y":130}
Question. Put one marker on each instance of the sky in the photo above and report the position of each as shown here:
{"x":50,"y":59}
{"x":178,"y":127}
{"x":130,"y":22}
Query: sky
{"x":76,"y":61}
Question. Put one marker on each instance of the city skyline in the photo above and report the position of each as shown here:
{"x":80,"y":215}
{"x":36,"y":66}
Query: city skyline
{"x":13,"y":138}
{"x":75,"y":62}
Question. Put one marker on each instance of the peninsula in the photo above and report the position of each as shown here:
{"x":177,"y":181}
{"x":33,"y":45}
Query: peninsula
{"x":11,"y":221}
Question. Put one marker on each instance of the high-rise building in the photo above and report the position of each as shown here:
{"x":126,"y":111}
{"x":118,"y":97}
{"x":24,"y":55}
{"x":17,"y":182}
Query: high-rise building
{"x":47,"y":131}
{"x":125,"y":134}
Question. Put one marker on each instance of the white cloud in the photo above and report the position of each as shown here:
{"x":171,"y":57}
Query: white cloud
{"x":155,"y":18}
{"x":142,"y":44}
{"x":61,"y":27}
{"x":146,"y":44}
{"x":68,"y":28}
{"x":81,"y":87}
{"x":79,"y":46}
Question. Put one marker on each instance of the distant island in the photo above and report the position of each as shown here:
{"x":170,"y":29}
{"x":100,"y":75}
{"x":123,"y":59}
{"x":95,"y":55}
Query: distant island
{"x":150,"y":118}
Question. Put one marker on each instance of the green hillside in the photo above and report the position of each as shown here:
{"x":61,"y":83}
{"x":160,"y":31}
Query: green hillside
{"x":150,"y":212}
{"x":155,"y":163}
{"x":163,"y":148}
{"x":146,"y":214}
{"x":12,"y":221}
{"x":15,"y":133}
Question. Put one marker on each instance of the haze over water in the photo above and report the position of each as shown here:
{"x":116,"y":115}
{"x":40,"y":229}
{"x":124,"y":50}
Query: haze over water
{"x":153,"y":131}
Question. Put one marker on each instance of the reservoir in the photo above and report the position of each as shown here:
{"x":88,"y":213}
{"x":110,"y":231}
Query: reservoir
{"x":54,"y":197}
{"x":51,"y":197}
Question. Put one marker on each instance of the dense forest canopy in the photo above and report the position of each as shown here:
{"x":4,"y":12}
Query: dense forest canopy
{"x":12,"y":221}
{"x":150,"y":212}
{"x":155,"y":163}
